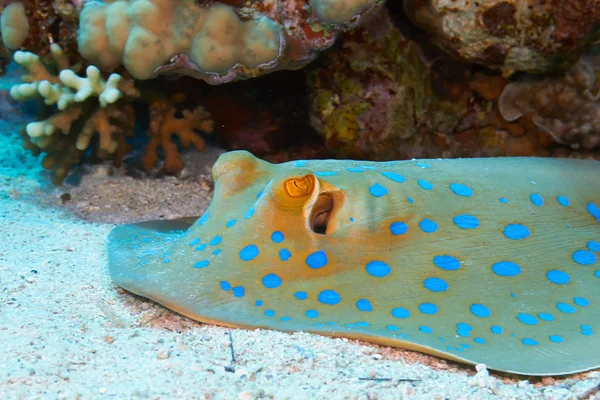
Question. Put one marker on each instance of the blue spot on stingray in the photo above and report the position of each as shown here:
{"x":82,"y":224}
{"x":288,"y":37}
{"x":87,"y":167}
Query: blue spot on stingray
{"x":400,"y":313}
{"x":513,"y":295}
{"x":364,"y":305}
{"x":506,"y":268}
{"x":269,"y":313}
{"x":428,"y":308}
{"x":398,"y":228}
{"x":411,"y":200}
{"x":201,"y":247}
{"x":215,"y":241}
{"x":516,"y":231}
{"x":231,"y":223}
{"x":217,"y":252}
{"x":594,"y":211}
{"x":356,"y":169}
{"x":496,"y":329}
{"x":425,"y":184}
{"x":463,"y":329}
{"x":284,"y":254}
{"x":466,"y":221}
{"x":271,"y":281}
{"x":312,"y":313}
{"x":503,"y":200}
{"x":586,"y":330}
{"x":249,"y":253}
{"x":258,"y":303}
{"x":326,"y":173}
{"x":461,"y":190}
{"x":546,"y":317}
{"x":249,"y":214}
{"x":566,"y":308}
{"x":239,"y":291}
{"x":392,"y":328}
{"x":584,"y":257}
{"x":378,"y":268}
{"x":435,"y":284}
{"x":394,"y":176}
{"x":225,"y":285}
{"x":277,"y":237}
{"x":201,"y":264}
{"x":425,"y":329}
{"x":286,"y":318}
{"x":556,"y":338}
{"x":195,"y":242}
{"x":536,"y":199}
{"x":558,"y":277}
{"x":479,"y":340}
{"x":167,"y":260}
{"x":317,"y":260}
{"x":330,"y":297}
{"x":581,"y":301}
{"x":563,"y":201}
{"x":428,"y":226}
{"x":300,"y":163}
{"x":447,"y":263}
{"x":351,"y":219}
{"x":529,"y":342}
{"x":527,"y":319}
{"x":479,"y":310}
{"x":422,"y":165}
{"x":204,"y":219}
{"x":378,"y":190}
{"x":301,"y":295}
{"x":593,"y":246}
{"x":597,"y":274}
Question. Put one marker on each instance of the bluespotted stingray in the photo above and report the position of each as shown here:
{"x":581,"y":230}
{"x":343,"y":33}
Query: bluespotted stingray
{"x":490,"y":261}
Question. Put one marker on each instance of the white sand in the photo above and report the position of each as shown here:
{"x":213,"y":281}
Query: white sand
{"x":67,"y":332}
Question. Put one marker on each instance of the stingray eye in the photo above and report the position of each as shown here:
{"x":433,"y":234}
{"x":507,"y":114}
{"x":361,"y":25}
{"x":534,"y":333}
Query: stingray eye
{"x":294,"y":191}
{"x":300,"y":187}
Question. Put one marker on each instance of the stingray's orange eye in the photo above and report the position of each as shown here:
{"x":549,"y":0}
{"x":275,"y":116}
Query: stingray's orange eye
{"x":300,"y":187}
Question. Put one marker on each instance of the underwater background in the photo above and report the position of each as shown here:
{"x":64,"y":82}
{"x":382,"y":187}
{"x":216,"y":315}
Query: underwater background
{"x":125,"y":132}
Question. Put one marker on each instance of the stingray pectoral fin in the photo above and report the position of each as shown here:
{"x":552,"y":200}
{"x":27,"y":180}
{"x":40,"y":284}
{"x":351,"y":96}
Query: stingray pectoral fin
{"x":134,"y":248}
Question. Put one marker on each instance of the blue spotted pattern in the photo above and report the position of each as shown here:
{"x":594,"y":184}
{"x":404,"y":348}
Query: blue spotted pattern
{"x":446,"y":262}
{"x":400,"y":313}
{"x":330,"y":297}
{"x":378,"y":190}
{"x":481,"y":311}
{"x":594,"y":211}
{"x":428,"y":308}
{"x":425,"y":184}
{"x":317,"y":260}
{"x":516,"y":231}
{"x":536,"y":199}
{"x":506,"y":268}
{"x":435,"y":284}
{"x":428,"y":226}
{"x":558,"y":277}
{"x":584,"y":257}
{"x":461,"y":190}
{"x":398,"y":228}
{"x":271,"y":281}
{"x":466,"y":221}
{"x":277,"y":237}
{"x":249,"y":253}
{"x":378,"y":268}
{"x":394,"y":176}
{"x":563,"y":201}
{"x":364,"y":305}
{"x":284,"y":254}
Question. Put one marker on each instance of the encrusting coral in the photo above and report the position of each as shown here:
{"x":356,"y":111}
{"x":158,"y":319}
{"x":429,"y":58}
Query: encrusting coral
{"x":510,"y":35}
{"x":566,"y":107}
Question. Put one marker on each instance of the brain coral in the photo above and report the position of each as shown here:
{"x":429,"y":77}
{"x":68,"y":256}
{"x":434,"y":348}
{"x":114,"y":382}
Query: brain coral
{"x":215,"y":41}
{"x":510,"y":35}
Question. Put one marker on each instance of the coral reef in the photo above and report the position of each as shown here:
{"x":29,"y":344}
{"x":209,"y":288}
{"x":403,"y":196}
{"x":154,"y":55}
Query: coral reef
{"x":566,"y":107}
{"x":381,"y":98}
{"x":164,"y":123}
{"x":510,"y":35}
{"x":374,"y":98}
{"x":94,"y":113}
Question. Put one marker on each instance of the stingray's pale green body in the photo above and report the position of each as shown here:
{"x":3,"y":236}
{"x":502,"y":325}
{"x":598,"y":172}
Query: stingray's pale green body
{"x":490,"y":261}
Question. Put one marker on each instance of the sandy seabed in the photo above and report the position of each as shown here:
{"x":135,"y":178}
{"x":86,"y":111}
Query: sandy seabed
{"x":67,"y":332}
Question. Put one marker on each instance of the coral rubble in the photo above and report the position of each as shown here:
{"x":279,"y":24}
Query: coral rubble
{"x":510,"y":35}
